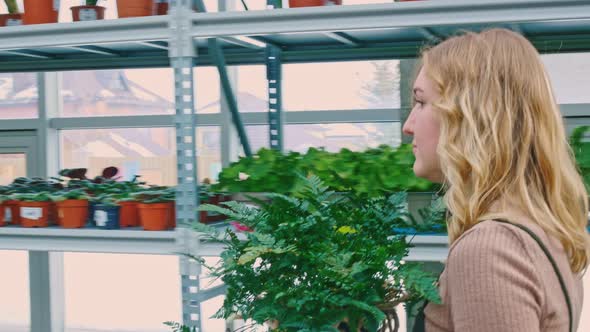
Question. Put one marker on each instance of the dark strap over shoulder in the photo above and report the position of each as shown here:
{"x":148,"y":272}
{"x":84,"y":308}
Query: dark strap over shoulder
{"x":419,"y":323}
{"x":555,"y":268}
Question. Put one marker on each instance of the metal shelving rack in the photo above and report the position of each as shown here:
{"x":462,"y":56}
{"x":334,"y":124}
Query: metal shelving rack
{"x":183,"y":40}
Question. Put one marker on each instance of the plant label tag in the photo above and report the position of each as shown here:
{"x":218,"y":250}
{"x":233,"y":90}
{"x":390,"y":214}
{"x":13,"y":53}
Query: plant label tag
{"x":13,"y":22}
{"x":101,"y":218}
{"x":56,"y":5}
{"x":32,"y":213}
{"x":87,"y":14}
{"x":7,"y":215}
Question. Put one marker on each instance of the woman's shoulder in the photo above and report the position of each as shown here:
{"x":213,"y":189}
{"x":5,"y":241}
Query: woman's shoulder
{"x":494,"y":238}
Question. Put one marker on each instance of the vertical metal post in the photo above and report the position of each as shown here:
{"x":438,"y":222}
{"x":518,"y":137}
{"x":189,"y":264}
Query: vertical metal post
{"x":275,"y":105}
{"x":406,"y":68}
{"x":46,"y":269}
{"x":182,"y":54}
{"x":275,"y":112}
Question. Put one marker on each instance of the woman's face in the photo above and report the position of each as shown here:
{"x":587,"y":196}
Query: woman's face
{"x":424,"y":125}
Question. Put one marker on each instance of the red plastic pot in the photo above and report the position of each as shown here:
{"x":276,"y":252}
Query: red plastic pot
{"x":72,"y":213}
{"x":313,"y":3}
{"x":40,"y":11}
{"x":156,"y":216}
{"x":11,"y":19}
{"x":128,"y":214}
{"x":134,"y":8}
{"x":34,"y":214}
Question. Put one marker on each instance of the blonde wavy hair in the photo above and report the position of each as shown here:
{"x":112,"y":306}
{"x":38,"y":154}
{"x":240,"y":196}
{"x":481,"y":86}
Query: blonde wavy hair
{"x":502,"y":136}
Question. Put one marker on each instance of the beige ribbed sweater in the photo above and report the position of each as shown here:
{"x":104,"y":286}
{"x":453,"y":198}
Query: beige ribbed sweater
{"x":497,"y":279}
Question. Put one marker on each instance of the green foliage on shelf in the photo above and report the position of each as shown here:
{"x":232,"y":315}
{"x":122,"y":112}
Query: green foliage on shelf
{"x":33,"y":197}
{"x":373,"y":172}
{"x":581,"y":151}
{"x":78,"y":194}
{"x":311,"y":259}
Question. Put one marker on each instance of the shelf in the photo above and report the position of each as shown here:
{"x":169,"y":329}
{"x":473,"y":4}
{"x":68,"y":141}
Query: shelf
{"x":137,"y":241}
{"x":334,"y":33}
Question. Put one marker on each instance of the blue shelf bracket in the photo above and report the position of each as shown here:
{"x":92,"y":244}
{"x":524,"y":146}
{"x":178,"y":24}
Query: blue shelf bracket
{"x":275,"y":112}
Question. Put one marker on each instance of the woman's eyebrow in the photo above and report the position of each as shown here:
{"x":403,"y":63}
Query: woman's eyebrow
{"x":418,"y":90}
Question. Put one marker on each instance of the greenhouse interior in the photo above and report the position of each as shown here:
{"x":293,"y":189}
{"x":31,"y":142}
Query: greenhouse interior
{"x":137,"y":142}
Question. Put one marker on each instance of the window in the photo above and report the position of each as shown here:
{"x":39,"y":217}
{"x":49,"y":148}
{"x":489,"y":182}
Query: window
{"x":149,"y":152}
{"x":570,"y":77}
{"x":15,"y":299}
{"x":18,"y":96}
{"x":108,"y":292}
{"x":341,"y":85}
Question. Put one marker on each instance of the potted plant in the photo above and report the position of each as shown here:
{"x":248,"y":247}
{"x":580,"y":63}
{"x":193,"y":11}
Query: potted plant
{"x":14,"y":16}
{"x":40,"y":11}
{"x":33,"y":208}
{"x":106,"y":212}
{"x":161,"y":7}
{"x":72,"y":208}
{"x":313,"y":261}
{"x":156,"y":208}
{"x":88,"y":12}
{"x":134,"y":8}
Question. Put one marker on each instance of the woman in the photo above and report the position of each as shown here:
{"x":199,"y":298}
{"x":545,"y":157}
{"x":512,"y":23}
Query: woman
{"x":486,"y":125}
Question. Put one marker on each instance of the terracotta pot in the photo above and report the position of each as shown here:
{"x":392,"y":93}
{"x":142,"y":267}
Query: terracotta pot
{"x":128,"y":214}
{"x":11,"y":212}
{"x":40,"y":11}
{"x":11,"y":19}
{"x":172,"y":217}
{"x":2,"y":222}
{"x":87,"y":13}
{"x":52,"y":213}
{"x":313,"y":3}
{"x":72,"y":213}
{"x":33,"y":214}
{"x":161,"y":7}
{"x":156,"y":216}
{"x":134,"y":8}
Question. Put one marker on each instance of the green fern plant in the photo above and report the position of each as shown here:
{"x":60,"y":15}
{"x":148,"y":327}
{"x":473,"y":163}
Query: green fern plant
{"x":312,"y":259}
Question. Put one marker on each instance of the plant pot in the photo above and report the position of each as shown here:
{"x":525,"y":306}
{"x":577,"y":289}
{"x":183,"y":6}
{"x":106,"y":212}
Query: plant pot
{"x":11,"y":212}
{"x":2,"y":221}
{"x":206,"y":217}
{"x":40,"y":11}
{"x":72,"y":213}
{"x":155,"y":216}
{"x":172,"y":217}
{"x":87,"y":13}
{"x":91,"y":208}
{"x":128,"y":214}
{"x":52,"y":213}
{"x":313,"y":3}
{"x":134,"y":8}
{"x":106,"y":216}
{"x":160,"y":7}
{"x":34,"y":214}
{"x":7,"y":20}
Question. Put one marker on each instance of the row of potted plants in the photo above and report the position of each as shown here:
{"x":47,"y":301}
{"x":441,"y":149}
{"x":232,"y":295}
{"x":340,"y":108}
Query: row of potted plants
{"x":46,"y":11}
{"x":74,"y":201}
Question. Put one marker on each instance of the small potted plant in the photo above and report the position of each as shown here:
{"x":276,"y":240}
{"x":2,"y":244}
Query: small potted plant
{"x":72,"y":208}
{"x":40,"y":11}
{"x":156,"y":208}
{"x":106,"y":212}
{"x":316,"y":261}
{"x":88,"y":12}
{"x":14,"y":16}
{"x":33,"y":208}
